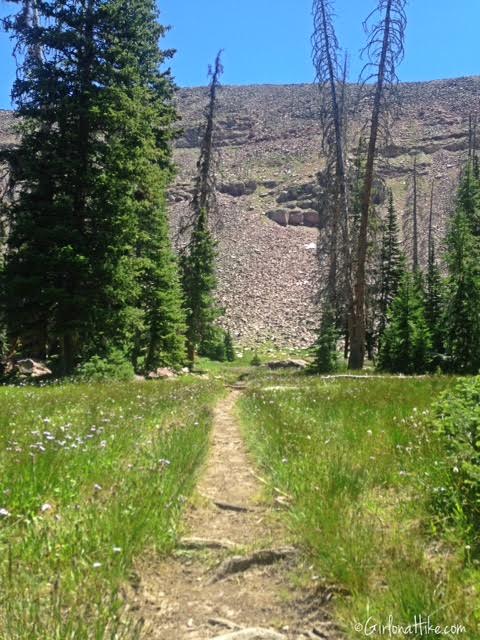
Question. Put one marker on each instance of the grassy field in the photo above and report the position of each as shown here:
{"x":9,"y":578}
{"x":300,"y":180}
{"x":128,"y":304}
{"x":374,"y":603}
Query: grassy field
{"x":360,"y":465}
{"x":91,"y":475}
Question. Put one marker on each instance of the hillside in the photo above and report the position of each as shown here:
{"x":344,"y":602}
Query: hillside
{"x":270,"y":145}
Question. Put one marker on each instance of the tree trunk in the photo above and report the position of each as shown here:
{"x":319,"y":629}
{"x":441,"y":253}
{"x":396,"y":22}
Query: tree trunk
{"x":358,"y":328}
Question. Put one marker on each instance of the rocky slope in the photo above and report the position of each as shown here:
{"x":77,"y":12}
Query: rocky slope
{"x":270,"y":202}
{"x":270,"y":150}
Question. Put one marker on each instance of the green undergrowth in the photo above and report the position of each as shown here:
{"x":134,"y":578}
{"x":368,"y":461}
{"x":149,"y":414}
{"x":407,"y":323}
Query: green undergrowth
{"x":92,"y":475}
{"x":359,"y":459}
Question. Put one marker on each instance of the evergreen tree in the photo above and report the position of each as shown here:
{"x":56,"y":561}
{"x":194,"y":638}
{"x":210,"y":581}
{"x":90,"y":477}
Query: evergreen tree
{"x":199,"y":284}
{"x":406,"y":344}
{"x":462,"y":318}
{"x":95,"y":114}
{"x":229,"y":348}
{"x":198,"y":262}
{"x":434,"y":303}
{"x":392,"y":265}
{"x":326,"y":355}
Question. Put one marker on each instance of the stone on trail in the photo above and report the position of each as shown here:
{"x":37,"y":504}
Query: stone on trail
{"x":251,"y":634}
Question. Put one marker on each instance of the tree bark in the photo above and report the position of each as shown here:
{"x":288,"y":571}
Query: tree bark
{"x":358,"y":324}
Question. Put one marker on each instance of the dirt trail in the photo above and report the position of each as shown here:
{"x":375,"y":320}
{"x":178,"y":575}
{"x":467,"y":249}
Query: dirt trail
{"x":201,"y":592}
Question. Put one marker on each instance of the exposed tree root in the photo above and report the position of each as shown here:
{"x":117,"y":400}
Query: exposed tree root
{"x":206,"y":543}
{"x":237,"y":564}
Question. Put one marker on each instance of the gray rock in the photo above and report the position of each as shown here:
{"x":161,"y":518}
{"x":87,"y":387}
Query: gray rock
{"x":295,"y":217}
{"x":270,"y":184}
{"x":254,"y":633}
{"x":312,"y":218}
{"x":161,"y":373}
{"x":237,"y":189}
{"x":288,"y":364}
{"x":32,"y":368}
{"x":280,"y":216}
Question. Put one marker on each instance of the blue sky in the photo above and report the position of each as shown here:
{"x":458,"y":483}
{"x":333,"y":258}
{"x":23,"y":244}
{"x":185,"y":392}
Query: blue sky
{"x":267,"y":41}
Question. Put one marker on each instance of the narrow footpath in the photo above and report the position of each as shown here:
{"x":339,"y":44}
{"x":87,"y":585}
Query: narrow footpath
{"x":231,"y":576}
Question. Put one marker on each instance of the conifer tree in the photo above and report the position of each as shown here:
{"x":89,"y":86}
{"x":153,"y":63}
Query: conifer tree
{"x":462,"y":317}
{"x":94,"y":159}
{"x":199,"y":284}
{"x":198,"y":261}
{"x":229,"y":348}
{"x":406,"y":344}
{"x":434,"y":291}
{"x":392,"y":265}
{"x":326,"y":355}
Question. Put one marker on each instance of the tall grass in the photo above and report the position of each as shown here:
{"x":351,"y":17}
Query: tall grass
{"x":91,"y":476}
{"x":354,"y":455}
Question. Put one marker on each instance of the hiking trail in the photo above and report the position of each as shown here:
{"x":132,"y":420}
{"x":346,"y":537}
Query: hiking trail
{"x":230,"y":576}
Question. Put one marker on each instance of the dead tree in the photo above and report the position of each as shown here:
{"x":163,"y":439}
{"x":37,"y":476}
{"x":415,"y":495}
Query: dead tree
{"x":204,"y":189}
{"x":385,"y":50}
{"x":198,"y":258}
{"x":431,"y":249}
{"x":415,"y":216}
{"x":331,"y":79}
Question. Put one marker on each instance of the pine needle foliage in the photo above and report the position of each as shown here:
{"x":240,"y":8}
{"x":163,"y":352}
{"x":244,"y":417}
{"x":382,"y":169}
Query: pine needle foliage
{"x":406,"y":344}
{"x":89,"y":266}
{"x":199,"y":258}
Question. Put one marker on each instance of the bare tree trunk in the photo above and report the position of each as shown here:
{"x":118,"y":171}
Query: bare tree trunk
{"x":325,"y":58}
{"x":430,"y":220}
{"x":415,"y":216}
{"x":390,"y":34}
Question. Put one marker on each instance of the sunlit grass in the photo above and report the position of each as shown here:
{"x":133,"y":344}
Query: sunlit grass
{"x":91,"y":476}
{"x":354,"y":456}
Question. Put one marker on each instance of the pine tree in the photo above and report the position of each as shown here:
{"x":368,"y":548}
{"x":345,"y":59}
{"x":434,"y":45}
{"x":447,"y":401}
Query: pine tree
{"x":406,"y":345}
{"x":229,"y":348}
{"x":392,"y":265}
{"x":198,"y":261}
{"x":199,"y":284}
{"x":462,"y":317}
{"x":326,"y":355}
{"x":434,"y":302}
{"x":93,"y":163}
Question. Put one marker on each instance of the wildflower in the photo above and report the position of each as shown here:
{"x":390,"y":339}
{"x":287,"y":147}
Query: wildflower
{"x":46,"y":507}
{"x":456,"y":470}
{"x":4,"y":513}
{"x":369,"y":432}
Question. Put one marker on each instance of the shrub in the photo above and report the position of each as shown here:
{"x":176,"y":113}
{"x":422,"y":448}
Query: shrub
{"x":255,"y":361}
{"x":213,"y":347}
{"x":114,"y":367}
{"x":456,"y":420}
{"x":326,"y":355}
{"x":229,"y":349}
